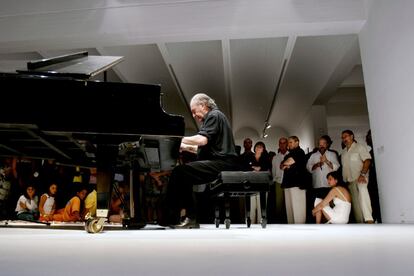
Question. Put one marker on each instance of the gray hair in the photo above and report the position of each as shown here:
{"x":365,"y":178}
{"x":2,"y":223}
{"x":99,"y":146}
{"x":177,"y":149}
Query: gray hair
{"x":203,"y":99}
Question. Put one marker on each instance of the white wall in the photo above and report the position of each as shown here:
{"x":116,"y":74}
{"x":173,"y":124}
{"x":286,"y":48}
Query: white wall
{"x":271,"y":142}
{"x":320,"y":125}
{"x":387,"y":43}
{"x":347,"y":109}
{"x":306,"y":133}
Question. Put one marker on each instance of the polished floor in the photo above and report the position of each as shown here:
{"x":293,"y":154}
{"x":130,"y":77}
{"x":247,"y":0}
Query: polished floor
{"x":276,"y":250}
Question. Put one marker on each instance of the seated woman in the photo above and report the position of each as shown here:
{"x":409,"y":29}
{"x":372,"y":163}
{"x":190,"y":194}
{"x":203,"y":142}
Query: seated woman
{"x":74,"y":210}
{"x":27,"y":204}
{"x":341,"y":199}
{"x":47,"y":203}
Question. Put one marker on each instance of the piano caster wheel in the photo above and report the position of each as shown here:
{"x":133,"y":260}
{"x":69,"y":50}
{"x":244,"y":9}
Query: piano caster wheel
{"x":227,"y":223}
{"x":248,"y":222}
{"x":264,"y":223}
{"x":217,"y":221}
{"x":94,"y":226}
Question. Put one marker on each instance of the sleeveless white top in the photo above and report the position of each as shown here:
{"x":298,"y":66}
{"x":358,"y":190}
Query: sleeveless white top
{"x":48,"y":206}
{"x":342,"y":207}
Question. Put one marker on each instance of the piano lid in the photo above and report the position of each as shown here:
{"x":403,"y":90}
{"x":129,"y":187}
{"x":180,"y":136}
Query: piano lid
{"x":63,"y":119}
{"x":77,"y":65}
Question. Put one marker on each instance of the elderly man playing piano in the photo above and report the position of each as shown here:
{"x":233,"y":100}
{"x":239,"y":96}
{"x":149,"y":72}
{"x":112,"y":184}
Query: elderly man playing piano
{"x":215,"y":148}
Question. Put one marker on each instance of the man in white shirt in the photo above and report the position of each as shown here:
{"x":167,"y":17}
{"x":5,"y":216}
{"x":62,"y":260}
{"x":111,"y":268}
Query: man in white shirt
{"x":355,"y":166}
{"x":277,"y":174}
{"x":319,"y":165}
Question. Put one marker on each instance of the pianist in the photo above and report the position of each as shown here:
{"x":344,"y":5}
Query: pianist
{"x":214,"y":145}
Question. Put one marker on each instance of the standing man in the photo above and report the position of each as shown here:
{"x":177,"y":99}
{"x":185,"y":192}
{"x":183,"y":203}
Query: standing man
{"x":215,"y":147}
{"x":248,"y":155}
{"x":293,"y":182}
{"x":277,"y":174}
{"x":355,"y":168}
{"x":319,"y":165}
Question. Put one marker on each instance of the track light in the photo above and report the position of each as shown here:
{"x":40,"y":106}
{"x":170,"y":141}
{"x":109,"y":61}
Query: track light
{"x":266,"y":127}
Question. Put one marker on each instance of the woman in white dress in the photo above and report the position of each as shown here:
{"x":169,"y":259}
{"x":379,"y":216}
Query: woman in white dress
{"x":340,"y":197}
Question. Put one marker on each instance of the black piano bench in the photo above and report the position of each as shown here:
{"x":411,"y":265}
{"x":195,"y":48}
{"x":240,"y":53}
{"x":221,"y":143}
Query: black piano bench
{"x":237,"y":184}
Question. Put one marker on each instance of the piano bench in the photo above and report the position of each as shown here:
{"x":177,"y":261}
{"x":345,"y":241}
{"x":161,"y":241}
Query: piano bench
{"x":240,"y":184}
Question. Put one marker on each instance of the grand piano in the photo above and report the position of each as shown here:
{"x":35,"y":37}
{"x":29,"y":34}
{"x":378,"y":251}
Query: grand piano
{"x":52,"y":110}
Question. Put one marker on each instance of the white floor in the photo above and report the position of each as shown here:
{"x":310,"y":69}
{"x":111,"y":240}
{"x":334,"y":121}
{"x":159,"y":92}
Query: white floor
{"x":278,"y":250}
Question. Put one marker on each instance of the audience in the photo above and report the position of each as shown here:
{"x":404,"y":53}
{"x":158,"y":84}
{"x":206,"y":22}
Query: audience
{"x":356,"y":162}
{"x":277,"y":174}
{"x":47,"y":203}
{"x":341,"y":199}
{"x":327,"y":198}
{"x":294,"y":169}
{"x":74,"y":210}
{"x":27,"y":208}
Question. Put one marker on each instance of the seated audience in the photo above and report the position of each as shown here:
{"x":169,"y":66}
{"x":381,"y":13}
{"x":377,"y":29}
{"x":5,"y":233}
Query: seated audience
{"x":74,"y":210}
{"x":340,"y":197}
{"x":47,"y":203}
{"x":91,"y":203}
{"x":27,"y":204}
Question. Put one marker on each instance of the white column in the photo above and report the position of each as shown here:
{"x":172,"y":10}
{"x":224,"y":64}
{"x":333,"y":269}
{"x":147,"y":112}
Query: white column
{"x":387,"y":43}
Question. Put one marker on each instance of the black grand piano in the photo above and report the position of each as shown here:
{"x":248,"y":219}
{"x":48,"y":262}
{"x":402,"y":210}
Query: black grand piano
{"x":59,"y":113}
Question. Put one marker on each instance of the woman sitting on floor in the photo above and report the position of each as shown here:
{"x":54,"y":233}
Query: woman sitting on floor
{"x":74,"y":209}
{"x":47,"y":203}
{"x":340,"y":197}
{"x":27,"y":204}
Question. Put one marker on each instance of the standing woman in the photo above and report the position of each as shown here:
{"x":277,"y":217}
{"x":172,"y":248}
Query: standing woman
{"x":260,"y":160}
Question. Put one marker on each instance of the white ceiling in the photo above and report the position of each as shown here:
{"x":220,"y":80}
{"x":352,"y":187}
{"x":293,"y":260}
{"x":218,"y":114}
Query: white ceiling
{"x":232,"y":50}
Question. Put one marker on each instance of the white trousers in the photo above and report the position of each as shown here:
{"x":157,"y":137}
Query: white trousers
{"x":361,"y":202}
{"x":295,"y":200}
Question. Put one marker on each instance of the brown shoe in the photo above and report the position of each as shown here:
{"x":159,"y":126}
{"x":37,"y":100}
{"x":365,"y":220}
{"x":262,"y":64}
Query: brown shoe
{"x":370,"y":222}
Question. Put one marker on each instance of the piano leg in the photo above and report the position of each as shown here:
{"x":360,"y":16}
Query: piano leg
{"x":104,"y":188}
{"x":106,"y":158}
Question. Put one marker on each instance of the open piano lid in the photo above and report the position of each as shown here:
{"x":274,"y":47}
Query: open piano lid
{"x":53,"y":112}
{"x":77,"y":65}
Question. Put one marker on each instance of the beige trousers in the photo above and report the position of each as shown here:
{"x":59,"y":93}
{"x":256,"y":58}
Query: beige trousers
{"x":361,"y":202}
{"x":295,"y":199}
{"x":255,"y":210}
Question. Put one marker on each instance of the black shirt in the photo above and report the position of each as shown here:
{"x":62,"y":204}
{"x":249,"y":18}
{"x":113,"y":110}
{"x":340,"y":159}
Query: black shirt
{"x":294,"y":176}
{"x":263,"y":162}
{"x":216,"y":129}
{"x":246,"y":160}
